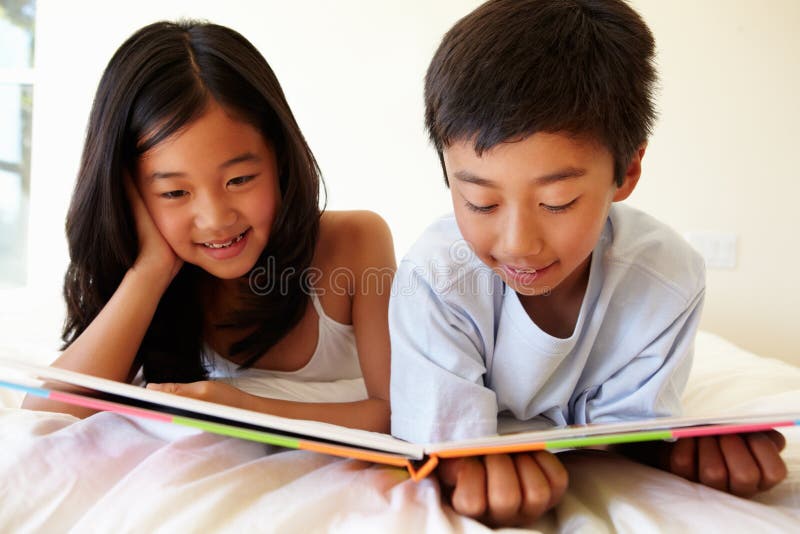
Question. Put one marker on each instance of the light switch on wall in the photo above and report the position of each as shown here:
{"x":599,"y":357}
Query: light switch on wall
{"x":718,"y":248}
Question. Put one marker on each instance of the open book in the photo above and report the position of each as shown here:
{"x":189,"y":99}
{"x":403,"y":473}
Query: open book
{"x":101,"y":394}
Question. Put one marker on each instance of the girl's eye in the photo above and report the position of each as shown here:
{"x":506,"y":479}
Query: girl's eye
{"x":479,"y":209}
{"x":173,"y":194}
{"x":559,"y":209}
{"x":240,"y":180}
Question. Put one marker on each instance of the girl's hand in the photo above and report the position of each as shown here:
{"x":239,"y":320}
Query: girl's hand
{"x":207,"y":390}
{"x":741,"y":464}
{"x":504,"y":489}
{"x":155,"y":254}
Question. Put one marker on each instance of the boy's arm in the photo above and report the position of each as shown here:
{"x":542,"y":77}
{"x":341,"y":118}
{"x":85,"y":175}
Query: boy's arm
{"x":437,"y":393}
{"x":651,"y":383}
{"x":437,"y":367}
{"x":740,"y":464}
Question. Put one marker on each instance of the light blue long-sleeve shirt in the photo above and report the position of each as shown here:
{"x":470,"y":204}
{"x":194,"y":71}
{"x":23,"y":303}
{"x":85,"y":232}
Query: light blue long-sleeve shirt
{"x":466,"y":355}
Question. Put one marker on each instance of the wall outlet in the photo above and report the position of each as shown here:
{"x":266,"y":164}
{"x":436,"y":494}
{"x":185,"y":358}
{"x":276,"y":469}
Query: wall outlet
{"x":718,"y":248}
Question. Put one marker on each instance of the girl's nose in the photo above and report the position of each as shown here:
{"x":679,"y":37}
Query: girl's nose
{"x":215,"y":214}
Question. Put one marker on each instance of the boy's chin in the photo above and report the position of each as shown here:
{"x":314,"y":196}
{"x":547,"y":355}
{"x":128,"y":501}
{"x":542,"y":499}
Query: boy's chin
{"x":527,"y":291}
{"x":532,"y":290}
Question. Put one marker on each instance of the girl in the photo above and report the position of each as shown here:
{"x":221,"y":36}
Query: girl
{"x":198,"y":249}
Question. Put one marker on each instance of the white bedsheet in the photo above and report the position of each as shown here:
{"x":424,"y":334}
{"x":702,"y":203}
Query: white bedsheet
{"x":108,"y":473}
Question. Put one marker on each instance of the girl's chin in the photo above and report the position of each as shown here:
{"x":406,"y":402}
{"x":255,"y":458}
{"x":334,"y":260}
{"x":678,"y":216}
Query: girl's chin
{"x":222,"y":273}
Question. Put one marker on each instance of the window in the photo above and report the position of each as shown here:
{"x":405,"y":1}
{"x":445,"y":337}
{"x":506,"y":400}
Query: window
{"x":16,"y":95}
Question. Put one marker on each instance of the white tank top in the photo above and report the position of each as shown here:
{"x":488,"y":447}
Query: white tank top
{"x":334,"y":359}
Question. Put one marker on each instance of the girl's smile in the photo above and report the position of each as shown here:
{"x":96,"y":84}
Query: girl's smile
{"x":226,"y":249}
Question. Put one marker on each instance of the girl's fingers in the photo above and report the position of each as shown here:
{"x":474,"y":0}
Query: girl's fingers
{"x":744,"y":475}
{"x":164,"y":387}
{"x":765,"y":448}
{"x":711,"y":469}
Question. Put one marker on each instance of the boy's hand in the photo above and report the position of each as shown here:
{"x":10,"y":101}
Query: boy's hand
{"x":741,"y":464}
{"x":503,"y":489}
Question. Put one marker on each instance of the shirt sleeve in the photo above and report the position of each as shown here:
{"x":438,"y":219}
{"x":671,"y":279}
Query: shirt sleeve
{"x":438,"y":366}
{"x":651,"y":384}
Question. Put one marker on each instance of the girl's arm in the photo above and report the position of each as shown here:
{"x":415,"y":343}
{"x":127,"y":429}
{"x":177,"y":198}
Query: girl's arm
{"x":108,"y":346}
{"x":367,"y":253}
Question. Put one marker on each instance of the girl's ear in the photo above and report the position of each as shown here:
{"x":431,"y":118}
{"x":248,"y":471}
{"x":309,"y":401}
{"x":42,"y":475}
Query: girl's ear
{"x":632,"y":175}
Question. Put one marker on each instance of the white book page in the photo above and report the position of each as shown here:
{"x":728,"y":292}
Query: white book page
{"x":310,"y":429}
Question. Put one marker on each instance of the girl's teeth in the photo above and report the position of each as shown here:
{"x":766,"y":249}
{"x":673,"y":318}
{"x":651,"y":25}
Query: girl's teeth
{"x":225,"y":245}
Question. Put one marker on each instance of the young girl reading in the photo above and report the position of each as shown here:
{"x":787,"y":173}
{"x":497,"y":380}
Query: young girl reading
{"x":198,"y":249}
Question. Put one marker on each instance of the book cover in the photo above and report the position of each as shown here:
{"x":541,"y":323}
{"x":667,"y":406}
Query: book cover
{"x":107,"y":395}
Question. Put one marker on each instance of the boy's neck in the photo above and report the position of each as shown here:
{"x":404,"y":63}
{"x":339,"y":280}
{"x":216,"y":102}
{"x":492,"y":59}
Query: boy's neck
{"x":557,"y":312}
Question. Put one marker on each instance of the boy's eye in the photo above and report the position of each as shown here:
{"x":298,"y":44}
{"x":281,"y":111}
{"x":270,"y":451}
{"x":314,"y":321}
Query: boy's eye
{"x":559,"y":209}
{"x":173,"y":194}
{"x":479,"y":209}
{"x":240,"y":180}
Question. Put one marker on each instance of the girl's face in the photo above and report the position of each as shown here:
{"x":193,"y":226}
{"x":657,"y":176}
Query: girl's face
{"x":212,"y":191}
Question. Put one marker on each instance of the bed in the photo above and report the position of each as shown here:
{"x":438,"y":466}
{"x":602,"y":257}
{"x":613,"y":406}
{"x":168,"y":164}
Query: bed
{"x":110,"y":473}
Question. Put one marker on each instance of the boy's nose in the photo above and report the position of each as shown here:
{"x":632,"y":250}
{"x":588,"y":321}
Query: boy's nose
{"x":521,"y":237}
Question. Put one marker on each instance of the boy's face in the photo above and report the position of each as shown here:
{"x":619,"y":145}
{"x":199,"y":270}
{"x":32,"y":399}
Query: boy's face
{"x":533,"y":209}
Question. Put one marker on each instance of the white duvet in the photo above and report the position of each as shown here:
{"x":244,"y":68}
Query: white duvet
{"x":108,"y":473}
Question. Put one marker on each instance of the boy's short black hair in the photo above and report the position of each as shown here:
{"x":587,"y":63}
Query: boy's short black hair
{"x":512,"y":68}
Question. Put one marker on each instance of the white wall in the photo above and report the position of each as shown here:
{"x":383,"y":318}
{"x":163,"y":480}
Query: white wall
{"x":352,"y":71}
{"x":723,"y":155}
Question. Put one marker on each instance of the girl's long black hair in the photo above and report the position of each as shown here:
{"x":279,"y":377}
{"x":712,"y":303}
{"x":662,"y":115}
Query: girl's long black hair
{"x":159,"y":81}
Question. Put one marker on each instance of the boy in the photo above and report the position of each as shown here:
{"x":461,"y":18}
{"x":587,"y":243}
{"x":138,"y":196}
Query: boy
{"x":542,"y":302}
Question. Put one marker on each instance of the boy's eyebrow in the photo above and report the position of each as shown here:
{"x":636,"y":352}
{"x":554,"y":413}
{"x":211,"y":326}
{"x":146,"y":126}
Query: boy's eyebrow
{"x":564,"y":174}
{"x":246,"y":157}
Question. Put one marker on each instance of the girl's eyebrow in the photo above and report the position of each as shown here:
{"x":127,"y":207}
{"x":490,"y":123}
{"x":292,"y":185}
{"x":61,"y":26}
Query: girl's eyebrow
{"x":242,"y":158}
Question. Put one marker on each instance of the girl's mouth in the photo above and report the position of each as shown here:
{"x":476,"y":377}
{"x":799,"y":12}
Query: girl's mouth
{"x":228,"y":243}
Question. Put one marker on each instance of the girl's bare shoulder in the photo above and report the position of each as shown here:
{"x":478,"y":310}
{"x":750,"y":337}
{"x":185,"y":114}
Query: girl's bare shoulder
{"x":354,"y":240}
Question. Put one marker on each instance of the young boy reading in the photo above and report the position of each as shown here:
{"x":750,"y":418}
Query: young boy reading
{"x":542,"y":302}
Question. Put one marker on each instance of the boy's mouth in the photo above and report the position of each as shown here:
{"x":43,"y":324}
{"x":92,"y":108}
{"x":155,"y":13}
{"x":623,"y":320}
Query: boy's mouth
{"x":226,"y":244}
{"x":523,"y":275}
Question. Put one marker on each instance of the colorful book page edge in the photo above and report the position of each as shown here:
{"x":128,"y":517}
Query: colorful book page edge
{"x":614,"y":439}
{"x":215,"y":428}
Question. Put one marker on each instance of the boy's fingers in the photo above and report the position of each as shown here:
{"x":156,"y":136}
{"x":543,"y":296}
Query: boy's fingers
{"x":744,"y":475}
{"x":504,"y":496}
{"x":776,"y":437}
{"x":683,"y":459}
{"x":766,"y":452}
{"x":556,"y":474}
{"x":711,"y":470}
{"x":536,"y":491}
{"x":447,"y":471}
{"x":469,"y":495}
